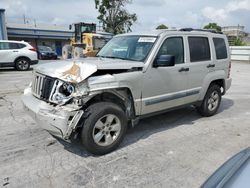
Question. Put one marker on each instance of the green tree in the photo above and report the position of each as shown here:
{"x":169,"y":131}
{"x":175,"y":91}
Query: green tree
{"x":114,"y":17}
{"x":213,"y":26}
{"x":238,"y":42}
{"x":162,"y":26}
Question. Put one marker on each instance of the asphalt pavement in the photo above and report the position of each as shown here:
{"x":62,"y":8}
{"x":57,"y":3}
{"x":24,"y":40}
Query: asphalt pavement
{"x":175,"y":149}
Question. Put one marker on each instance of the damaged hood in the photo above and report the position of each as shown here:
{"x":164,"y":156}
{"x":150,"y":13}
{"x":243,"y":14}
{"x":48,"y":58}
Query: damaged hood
{"x":78,"y":70}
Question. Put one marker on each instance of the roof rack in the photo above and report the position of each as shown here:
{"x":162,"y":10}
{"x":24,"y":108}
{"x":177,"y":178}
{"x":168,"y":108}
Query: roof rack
{"x":205,"y":30}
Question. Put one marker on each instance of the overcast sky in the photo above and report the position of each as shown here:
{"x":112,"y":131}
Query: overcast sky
{"x":174,"y":13}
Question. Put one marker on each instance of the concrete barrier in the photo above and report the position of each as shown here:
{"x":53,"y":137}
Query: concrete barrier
{"x":240,"y":53}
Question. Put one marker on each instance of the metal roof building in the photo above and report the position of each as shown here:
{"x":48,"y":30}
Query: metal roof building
{"x":38,"y":31}
{"x":47,"y":35}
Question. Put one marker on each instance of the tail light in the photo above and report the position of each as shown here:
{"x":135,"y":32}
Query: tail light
{"x":229,"y":70}
{"x":33,"y":49}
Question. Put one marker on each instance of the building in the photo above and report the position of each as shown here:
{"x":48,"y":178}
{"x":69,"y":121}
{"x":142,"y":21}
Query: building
{"x":234,"y":32}
{"x":36,"y":34}
{"x":47,"y":35}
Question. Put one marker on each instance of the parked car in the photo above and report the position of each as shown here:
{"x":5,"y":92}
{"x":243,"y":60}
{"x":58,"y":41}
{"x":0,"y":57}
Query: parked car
{"x":45,"y":52}
{"x":18,"y":54}
{"x":234,"y":173}
{"x":132,"y":77}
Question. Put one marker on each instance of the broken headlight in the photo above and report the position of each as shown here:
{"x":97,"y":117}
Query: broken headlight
{"x":66,"y":89}
{"x":62,"y":92}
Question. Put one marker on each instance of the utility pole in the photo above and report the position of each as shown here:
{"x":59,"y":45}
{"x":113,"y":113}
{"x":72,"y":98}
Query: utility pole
{"x":237,"y":34}
{"x":24,"y":19}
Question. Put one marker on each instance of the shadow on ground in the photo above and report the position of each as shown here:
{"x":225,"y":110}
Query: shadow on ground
{"x":149,"y":126}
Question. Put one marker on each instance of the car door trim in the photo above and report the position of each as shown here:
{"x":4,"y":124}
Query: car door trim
{"x":171,"y":96}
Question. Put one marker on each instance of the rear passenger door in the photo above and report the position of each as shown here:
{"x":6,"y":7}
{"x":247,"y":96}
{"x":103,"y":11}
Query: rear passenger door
{"x":8,"y":52}
{"x":200,"y":64}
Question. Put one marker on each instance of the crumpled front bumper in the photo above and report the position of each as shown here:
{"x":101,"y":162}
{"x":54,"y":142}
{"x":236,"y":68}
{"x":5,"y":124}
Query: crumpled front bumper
{"x":59,"y":121}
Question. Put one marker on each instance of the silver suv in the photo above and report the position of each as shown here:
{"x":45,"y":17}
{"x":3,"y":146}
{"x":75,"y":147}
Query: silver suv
{"x":133,"y":76}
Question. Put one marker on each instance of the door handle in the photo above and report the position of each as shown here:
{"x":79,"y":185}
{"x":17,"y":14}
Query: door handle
{"x":15,"y":50}
{"x":184,"y":69}
{"x":211,"y":66}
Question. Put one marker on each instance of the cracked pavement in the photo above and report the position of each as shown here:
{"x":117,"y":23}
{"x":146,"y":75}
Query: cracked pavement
{"x":175,"y":149}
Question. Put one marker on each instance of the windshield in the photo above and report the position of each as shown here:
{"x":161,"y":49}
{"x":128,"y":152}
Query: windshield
{"x":44,"y":49}
{"x":135,"y":48}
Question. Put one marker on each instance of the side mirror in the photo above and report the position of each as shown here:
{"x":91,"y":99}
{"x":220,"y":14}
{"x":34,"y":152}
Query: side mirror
{"x":164,"y":61}
{"x":70,"y":27}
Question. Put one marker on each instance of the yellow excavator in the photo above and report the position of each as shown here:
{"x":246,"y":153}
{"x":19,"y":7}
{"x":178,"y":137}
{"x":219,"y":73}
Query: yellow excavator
{"x":86,"y":41}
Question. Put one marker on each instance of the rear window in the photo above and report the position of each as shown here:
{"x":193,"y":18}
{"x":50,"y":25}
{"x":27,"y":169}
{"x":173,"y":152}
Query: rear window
{"x":16,"y":45}
{"x":199,"y":49}
{"x":220,"y":48}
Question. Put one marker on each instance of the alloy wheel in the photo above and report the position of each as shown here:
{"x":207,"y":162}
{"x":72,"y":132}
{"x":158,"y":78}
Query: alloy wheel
{"x":106,"y":130}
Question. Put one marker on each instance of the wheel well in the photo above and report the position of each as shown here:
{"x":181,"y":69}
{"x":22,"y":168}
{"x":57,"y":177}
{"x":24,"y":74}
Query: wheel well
{"x":121,"y":97}
{"x":21,"y":58}
{"x":221,"y":83}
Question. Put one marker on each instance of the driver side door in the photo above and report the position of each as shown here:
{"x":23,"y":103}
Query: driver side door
{"x":165,"y":87}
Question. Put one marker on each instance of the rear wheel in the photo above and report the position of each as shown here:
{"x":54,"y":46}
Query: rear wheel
{"x":211,"y":101}
{"x":78,"y":52}
{"x":104,"y":129}
{"x":67,"y":52}
{"x":22,"y":64}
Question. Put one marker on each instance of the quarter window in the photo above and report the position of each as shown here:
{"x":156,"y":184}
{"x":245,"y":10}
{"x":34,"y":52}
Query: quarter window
{"x":173,"y":46}
{"x":220,"y":48}
{"x":199,"y":49}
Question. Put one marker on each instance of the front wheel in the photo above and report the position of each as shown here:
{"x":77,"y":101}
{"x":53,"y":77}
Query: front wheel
{"x":104,"y":129}
{"x":211,"y":101}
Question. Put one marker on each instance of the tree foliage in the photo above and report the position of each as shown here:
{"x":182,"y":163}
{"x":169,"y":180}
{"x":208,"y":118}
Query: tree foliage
{"x":162,"y":26}
{"x":213,"y":26}
{"x":238,"y":42}
{"x":114,"y":17}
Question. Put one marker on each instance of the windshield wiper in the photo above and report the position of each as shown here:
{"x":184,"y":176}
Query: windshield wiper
{"x":113,"y":57}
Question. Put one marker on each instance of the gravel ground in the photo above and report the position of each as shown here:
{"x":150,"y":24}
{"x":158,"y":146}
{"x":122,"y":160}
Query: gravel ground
{"x":176,"y":149}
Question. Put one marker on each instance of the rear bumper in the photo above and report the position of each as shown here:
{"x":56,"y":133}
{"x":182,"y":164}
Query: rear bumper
{"x":33,"y":62}
{"x":59,"y":121}
{"x":228,"y":83}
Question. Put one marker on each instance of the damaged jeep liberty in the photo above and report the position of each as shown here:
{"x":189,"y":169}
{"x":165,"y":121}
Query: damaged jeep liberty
{"x":134,"y":75}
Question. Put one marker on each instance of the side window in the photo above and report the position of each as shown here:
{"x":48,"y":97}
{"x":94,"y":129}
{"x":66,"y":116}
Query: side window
{"x":220,"y":48}
{"x":4,"y":45}
{"x":199,"y":49}
{"x":13,"y":46}
{"x":173,"y":46}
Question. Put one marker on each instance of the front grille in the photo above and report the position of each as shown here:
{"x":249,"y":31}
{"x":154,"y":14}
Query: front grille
{"x":42,"y":86}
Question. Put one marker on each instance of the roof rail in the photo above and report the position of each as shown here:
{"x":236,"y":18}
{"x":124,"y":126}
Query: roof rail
{"x":205,"y":30}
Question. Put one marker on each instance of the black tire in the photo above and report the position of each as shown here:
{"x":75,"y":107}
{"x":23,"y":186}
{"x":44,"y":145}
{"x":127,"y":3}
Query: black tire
{"x":97,"y":112}
{"x":22,"y":64}
{"x":209,"y":105}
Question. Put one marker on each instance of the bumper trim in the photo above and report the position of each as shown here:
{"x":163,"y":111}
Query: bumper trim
{"x":228,"y":83}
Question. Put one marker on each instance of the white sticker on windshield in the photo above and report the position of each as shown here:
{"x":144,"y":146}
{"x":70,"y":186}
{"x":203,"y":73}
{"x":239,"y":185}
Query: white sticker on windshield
{"x":147,"y":39}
